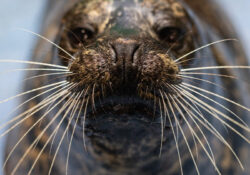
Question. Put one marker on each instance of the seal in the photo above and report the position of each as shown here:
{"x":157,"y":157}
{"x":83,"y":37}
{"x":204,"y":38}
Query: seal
{"x":136,"y":88}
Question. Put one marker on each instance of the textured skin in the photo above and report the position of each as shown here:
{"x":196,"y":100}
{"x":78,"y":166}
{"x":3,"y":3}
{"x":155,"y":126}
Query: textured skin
{"x":127,"y":143}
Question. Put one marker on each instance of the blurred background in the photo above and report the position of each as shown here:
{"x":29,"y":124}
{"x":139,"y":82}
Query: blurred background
{"x":19,"y":45}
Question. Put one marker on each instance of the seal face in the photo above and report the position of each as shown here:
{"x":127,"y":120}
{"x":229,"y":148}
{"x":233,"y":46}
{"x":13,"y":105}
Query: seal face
{"x":124,"y":54}
{"x":123,"y":63}
{"x":127,"y":103}
{"x":126,"y":46}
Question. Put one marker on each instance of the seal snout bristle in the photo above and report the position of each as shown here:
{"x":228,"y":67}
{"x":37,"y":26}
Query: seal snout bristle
{"x":127,"y":66}
{"x":159,"y":68}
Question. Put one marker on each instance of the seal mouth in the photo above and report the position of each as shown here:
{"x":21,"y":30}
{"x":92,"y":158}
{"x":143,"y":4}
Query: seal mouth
{"x":125,"y":105}
{"x":145,"y":110}
{"x":115,"y":118}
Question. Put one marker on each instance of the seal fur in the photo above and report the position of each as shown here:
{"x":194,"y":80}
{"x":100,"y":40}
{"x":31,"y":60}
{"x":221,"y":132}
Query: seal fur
{"x":108,"y":164}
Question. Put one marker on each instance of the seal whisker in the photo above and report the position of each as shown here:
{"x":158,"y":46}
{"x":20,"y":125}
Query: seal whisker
{"x":29,"y":113}
{"x":203,"y":47}
{"x":207,"y":108}
{"x":83,"y":124}
{"x":74,"y":128}
{"x":194,"y":139}
{"x":40,"y":119}
{"x":186,"y":60}
{"x":32,"y":90}
{"x":66,"y":105}
{"x":208,"y":74}
{"x":222,"y":106}
{"x":93,"y":97}
{"x":215,"y":67}
{"x":199,"y":128}
{"x":199,"y":79}
{"x":102,"y":88}
{"x":212,"y":159}
{"x":40,"y":105}
{"x":165,"y":116}
{"x":65,"y":57}
{"x":46,"y":39}
{"x":34,"y":63}
{"x":34,"y":69}
{"x":42,"y":133}
{"x":73,"y":108}
{"x":209,"y":126}
{"x":180,"y":95}
{"x":75,"y":85}
{"x":217,"y":95}
{"x":166,"y":113}
{"x":51,"y":89}
{"x":50,"y":74}
{"x":155,"y":101}
{"x":52,"y":142}
{"x":192,"y":131}
{"x":68,"y":87}
{"x":34,"y":109}
{"x":162,"y":128}
{"x":62,"y":76}
{"x":183,"y":134}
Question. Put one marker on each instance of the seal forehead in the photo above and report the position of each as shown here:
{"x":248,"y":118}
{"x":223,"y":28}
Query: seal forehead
{"x":128,"y":16}
{"x":171,"y":6}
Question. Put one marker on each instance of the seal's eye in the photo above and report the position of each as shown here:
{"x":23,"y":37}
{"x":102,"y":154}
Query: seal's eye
{"x":169,"y":34}
{"x":80,"y":35}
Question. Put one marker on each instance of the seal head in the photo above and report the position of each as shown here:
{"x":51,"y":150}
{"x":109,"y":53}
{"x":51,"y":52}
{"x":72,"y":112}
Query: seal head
{"x":124,"y":62}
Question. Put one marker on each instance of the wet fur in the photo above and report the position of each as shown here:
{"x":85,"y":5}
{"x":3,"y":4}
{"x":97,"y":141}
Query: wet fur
{"x":224,"y":159}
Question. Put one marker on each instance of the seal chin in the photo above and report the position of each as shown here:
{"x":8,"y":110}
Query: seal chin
{"x":116,"y":126}
{"x":126,"y":129}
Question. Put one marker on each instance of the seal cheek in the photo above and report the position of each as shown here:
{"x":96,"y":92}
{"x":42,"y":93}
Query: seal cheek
{"x":159,"y":69}
{"x":89,"y":68}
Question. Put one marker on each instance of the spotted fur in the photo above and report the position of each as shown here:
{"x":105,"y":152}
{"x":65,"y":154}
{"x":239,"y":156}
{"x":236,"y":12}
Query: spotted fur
{"x":125,"y":137}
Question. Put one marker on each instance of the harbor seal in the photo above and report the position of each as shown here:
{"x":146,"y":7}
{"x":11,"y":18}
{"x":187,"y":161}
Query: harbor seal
{"x":124,"y":98}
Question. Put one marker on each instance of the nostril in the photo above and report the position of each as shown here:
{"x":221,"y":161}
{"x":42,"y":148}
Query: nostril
{"x":133,"y":55}
{"x":114,"y":53}
{"x":124,"y":52}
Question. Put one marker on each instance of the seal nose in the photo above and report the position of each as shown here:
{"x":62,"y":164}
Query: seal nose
{"x":125,"y":57}
{"x":124,"y":51}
